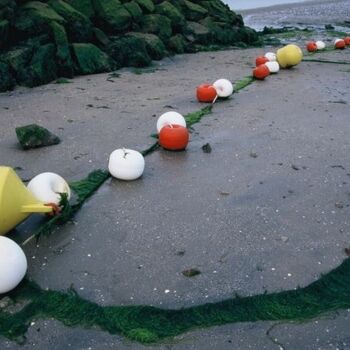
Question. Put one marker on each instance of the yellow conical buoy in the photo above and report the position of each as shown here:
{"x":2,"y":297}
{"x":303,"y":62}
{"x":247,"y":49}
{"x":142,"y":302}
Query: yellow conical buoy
{"x":16,"y":202}
{"x":289,"y":56}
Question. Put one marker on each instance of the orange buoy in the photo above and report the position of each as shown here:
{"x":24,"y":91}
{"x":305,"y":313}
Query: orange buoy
{"x":311,"y":46}
{"x":261,"y":60}
{"x":347,"y":40}
{"x":340,"y":44}
{"x":174,"y":137}
{"x":261,"y":72}
{"x":206,"y":93}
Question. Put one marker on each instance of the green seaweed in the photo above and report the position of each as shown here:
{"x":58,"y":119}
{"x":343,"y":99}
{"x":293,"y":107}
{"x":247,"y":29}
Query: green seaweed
{"x":324,"y":61}
{"x":195,"y":117}
{"x":243,"y":83}
{"x":148,"y":324}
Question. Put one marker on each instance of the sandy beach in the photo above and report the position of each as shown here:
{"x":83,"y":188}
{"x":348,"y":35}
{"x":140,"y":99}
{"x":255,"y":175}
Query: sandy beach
{"x":266,"y":210}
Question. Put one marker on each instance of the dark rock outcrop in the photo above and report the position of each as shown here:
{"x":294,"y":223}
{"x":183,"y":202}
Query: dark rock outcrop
{"x":43,"y":40}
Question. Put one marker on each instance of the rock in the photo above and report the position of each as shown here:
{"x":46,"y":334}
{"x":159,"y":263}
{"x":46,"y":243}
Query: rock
{"x":154,"y":46}
{"x":42,"y":68}
{"x":7,"y":81}
{"x":191,"y":272}
{"x":112,"y":16}
{"x":146,"y":5}
{"x":34,"y":18}
{"x":158,"y":25}
{"x":206,"y":148}
{"x":134,"y":9}
{"x":83,"y":6}
{"x":100,"y":37}
{"x":18,"y":58}
{"x":4,"y":32}
{"x":169,"y":10}
{"x":78,"y":26}
{"x":64,"y":59}
{"x":130,"y":51}
{"x":192,"y":11}
{"x":177,"y":44}
{"x":197,"y":32}
{"x":90,"y":59}
{"x":34,"y":136}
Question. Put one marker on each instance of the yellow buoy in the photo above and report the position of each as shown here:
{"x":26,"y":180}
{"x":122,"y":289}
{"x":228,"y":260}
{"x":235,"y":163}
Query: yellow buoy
{"x":289,"y":56}
{"x":16,"y":202}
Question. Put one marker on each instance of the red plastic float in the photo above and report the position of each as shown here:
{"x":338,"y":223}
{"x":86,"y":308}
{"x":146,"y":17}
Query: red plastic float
{"x":347,"y":40}
{"x":340,"y":44}
{"x":311,"y":46}
{"x":261,"y":72}
{"x":206,"y":93}
{"x":261,"y":60}
{"x":174,"y":137}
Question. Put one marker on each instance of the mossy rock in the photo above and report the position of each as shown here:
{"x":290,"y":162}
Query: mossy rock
{"x":158,"y":25}
{"x":78,"y":26}
{"x":34,"y":18}
{"x":7,"y":9}
{"x":85,"y":7}
{"x":198,"y":33}
{"x":4,"y":32}
{"x":42,"y":68}
{"x":35,"y":136}
{"x":169,"y":10}
{"x":146,"y":5}
{"x":192,"y":11}
{"x":64,"y":59}
{"x":134,"y":9}
{"x":18,"y":58}
{"x":221,"y":12}
{"x":7,"y":81}
{"x":154,"y":46}
{"x":112,"y":16}
{"x":100,"y":37}
{"x":90,"y":59}
{"x":177,"y":44}
{"x":129,"y":51}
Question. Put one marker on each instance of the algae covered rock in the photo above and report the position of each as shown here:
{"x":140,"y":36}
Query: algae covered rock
{"x":112,"y":15}
{"x":177,"y":43}
{"x":4,"y":32}
{"x":157,"y":24}
{"x":192,"y":11}
{"x":129,"y":51}
{"x":90,"y":59}
{"x":146,"y":5}
{"x":134,"y":9}
{"x":85,"y":7}
{"x":79,"y":27}
{"x":7,"y":81}
{"x":34,"y":136}
{"x":154,"y":46}
{"x":170,"y":11}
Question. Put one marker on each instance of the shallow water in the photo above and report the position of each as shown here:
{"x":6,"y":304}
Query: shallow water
{"x":251,"y":4}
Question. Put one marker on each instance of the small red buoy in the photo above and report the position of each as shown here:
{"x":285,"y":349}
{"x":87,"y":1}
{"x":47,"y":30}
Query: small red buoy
{"x":311,"y":46}
{"x":206,"y":93}
{"x":340,"y":44}
{"x":174,"y":137}
{"x":261,"y":72}
{"x":347,"y":40}
{"x":261,"y":60}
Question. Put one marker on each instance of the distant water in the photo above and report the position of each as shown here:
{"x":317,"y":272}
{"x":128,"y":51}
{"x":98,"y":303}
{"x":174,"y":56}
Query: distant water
{"x":251,"y":4}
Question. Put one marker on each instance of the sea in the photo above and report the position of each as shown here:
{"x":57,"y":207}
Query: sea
{"x":252,"y":4}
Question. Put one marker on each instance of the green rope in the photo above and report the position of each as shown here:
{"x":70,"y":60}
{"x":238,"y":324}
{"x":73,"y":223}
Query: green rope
{"x":149,"y":324}
{"x":243,"y":83}
{"x":325,"y":61}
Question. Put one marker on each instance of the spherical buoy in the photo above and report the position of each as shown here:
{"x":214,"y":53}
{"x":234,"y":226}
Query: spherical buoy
{"x":289,"y":56}
{"x":261,"y":72}
{"x":206,"y":93}
{"x":273,"y":66}
{"x":174,"y":137}
{"x":170,"y":118}
{"x":223,"y":87}
{"x":311,"y":46}
{"x":261,"y":60}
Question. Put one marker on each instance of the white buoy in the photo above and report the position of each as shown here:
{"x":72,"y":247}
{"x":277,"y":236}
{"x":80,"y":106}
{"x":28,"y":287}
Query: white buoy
{"x":170,"y":118}
{"x":13,"y":264}
{"x":223,"y":87}
{"x":126,"y":164}
{"x":273,"y":66}
{"x":271,"y":56}
{"x":47,"y":187}
{"x":320,"y":45}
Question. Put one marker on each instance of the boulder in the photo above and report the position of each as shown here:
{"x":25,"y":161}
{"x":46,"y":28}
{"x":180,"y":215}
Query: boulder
{"x":129,"y":51}
{"x":64,"y":59}
{"x":154,"y":46}
{"x":134,"y":9}
{"x":90,"y":59}
{"x":192,"y":11}
{"x":7,"y":81}
{"x":112,"y":16}
{"x":197,"y":32}
{"x":100,"y":38}
{"x":146,"y":5}
{"x":42,"y":68}
{"x":158,"y":25}
{"x":34,"y":18}
{"x":85,"y":7}
{"x":17,"y":58}
{"x":4,"y":32}
{"x":169,"y":10}
{"x":177,"y":43}
{"x":34,"y":136}
{"x":78,"y":26}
